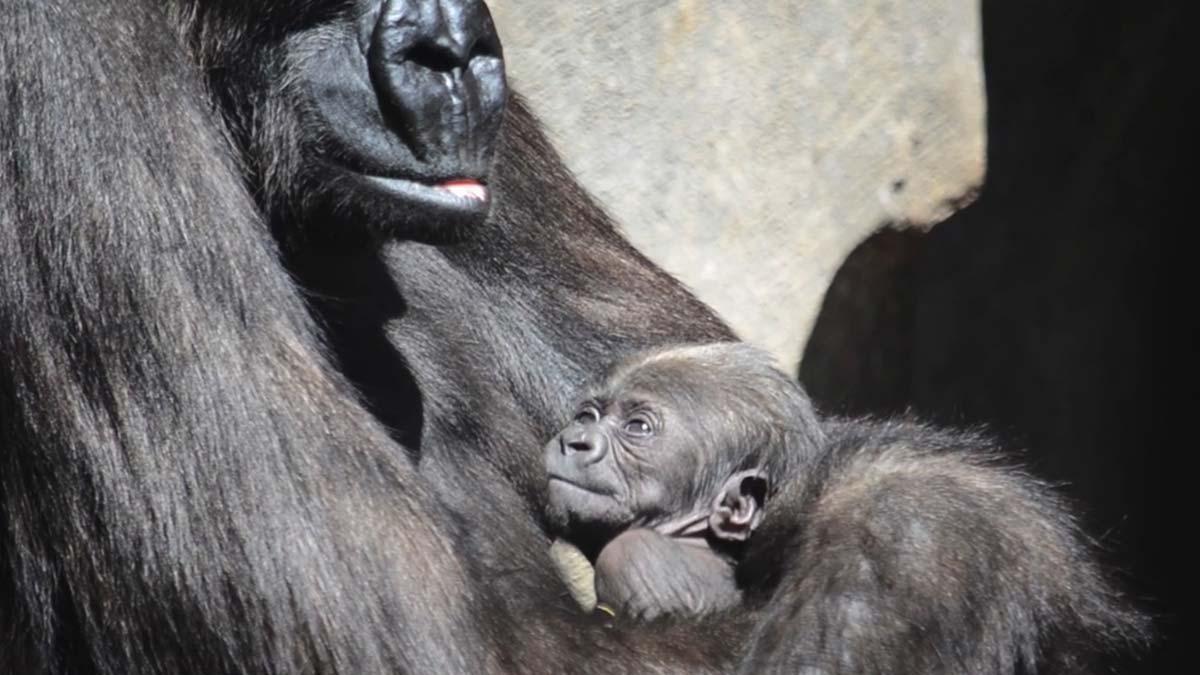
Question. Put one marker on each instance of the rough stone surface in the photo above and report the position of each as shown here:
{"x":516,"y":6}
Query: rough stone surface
{"x":748,"y":147}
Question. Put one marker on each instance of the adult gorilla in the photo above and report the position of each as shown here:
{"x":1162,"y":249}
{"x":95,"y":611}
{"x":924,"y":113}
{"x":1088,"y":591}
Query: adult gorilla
{"x":186,"y":486}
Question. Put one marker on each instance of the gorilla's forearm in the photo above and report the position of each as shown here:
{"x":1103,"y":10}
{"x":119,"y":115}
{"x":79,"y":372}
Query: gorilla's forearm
{"x":644,"y":574}
{"x":920,"y":554}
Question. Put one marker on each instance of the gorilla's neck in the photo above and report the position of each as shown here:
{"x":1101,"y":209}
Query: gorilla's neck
{"x":463,"y":346}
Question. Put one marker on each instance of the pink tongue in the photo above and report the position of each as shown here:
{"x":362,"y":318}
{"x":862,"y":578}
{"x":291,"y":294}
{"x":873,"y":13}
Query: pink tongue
{"x":471,"y":189}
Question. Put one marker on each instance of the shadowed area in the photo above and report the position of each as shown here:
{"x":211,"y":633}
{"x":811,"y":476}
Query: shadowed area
{"x":1040,"y":310}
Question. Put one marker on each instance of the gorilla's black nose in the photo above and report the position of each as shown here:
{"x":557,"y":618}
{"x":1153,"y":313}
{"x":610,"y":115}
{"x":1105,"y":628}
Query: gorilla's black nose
{"x":438,"y":70}
{"x":583,"y":446}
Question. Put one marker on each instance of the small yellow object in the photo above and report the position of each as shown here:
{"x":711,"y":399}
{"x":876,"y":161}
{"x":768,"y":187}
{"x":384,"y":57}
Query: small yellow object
{"x":576,"y":572}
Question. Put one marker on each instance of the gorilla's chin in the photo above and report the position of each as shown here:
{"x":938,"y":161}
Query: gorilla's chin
{"x":438,"y":213}
{"x":443,"y":213}
{"x":461,"y":197}
{"x":589,"y":509}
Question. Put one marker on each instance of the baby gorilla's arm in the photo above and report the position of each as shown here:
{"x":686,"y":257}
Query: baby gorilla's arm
{"x":643,"y":574}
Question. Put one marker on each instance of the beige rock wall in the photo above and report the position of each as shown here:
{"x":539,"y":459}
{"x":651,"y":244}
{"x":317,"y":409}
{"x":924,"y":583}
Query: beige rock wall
{"x":746,"y":146}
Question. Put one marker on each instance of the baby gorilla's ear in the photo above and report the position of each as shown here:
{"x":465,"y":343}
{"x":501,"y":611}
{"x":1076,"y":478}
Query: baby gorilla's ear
{"x":737,"y":510}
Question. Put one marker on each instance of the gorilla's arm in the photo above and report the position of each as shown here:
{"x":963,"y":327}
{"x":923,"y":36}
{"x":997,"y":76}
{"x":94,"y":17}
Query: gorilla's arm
{"x":920,"y":555}
{"x":644,"y":575}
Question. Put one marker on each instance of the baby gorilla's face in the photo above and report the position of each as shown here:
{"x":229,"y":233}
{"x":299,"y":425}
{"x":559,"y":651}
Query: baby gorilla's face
{"x":622,"y":461}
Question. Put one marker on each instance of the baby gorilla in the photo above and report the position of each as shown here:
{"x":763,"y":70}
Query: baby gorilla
{"x":667,"y":468}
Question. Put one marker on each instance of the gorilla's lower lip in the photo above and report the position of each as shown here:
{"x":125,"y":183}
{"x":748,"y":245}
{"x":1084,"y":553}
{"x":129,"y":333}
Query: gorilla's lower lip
{"x":465,"y":187}
{"x":460,"y":194}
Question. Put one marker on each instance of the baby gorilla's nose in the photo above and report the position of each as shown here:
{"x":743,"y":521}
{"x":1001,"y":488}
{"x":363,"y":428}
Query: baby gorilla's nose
{"x":583,"y":446}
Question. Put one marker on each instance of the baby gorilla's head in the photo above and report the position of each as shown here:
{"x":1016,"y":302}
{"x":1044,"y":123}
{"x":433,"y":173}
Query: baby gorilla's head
{"x":689,"y":441}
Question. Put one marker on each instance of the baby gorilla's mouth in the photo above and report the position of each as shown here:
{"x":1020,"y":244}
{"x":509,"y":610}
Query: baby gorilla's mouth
{"x":560,"y":480}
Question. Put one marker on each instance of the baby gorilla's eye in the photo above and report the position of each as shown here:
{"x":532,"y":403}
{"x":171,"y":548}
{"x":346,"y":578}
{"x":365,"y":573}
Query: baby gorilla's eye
{"x":587,"y":414}
{"x":638,"y":426}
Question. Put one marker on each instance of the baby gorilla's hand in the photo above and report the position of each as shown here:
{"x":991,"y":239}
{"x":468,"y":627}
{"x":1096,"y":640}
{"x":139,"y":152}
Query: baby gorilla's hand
{"x":644,"y":575}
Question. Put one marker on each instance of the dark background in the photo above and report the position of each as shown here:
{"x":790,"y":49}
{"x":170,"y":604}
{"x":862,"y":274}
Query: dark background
{"x":1056,"y":309}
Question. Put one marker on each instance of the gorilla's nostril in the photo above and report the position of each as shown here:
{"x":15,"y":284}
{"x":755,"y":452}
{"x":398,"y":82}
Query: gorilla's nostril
{"x":579,"y":446}
{"x":486,"y":46}
{"x":435,"y":57}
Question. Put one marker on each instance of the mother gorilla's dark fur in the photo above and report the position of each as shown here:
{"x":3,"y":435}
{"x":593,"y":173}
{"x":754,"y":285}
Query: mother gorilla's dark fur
{"x":186,"y":486}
